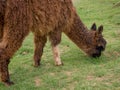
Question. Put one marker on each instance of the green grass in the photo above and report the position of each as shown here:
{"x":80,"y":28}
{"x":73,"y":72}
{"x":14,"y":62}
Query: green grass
{"x":79,"y":72}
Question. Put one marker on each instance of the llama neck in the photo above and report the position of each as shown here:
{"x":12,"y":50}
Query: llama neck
{"x":79,"y":33}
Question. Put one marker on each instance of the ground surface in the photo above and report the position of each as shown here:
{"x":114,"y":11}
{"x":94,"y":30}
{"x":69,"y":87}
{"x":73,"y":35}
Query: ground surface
{"x":79,"y":72}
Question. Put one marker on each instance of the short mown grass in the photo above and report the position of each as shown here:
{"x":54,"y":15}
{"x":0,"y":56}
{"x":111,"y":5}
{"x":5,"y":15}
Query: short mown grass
{"x":79,"y":72}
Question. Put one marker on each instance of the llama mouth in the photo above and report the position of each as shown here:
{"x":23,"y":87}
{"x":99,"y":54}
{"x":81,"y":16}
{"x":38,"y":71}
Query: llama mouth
{"x":100,"y":48}
{"x":95,"y":55}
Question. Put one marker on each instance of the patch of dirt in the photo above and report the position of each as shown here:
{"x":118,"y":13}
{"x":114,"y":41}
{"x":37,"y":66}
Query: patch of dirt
{"x":100,"y":78}
{"x":52,"y":74}
{"x":37,"y":81}
{"x":68,"y":73}
{"x":90,"y":78}
{"x":72,"y":86}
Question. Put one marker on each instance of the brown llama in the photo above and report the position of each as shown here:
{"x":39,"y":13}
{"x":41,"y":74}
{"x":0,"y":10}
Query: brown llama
{"x":44,"y":18}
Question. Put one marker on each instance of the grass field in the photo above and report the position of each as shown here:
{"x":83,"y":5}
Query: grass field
{"x":79,"y":72}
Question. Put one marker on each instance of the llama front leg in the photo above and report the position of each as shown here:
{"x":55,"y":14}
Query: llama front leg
{"x":39,"y":45}
{"x":55,"y":38}
{"x":56,"y":54}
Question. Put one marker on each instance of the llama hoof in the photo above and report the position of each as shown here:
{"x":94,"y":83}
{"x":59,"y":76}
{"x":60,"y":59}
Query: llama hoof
{"x":36,"y":65}
{"x":59,"y":64}
{"x":8,"y":83}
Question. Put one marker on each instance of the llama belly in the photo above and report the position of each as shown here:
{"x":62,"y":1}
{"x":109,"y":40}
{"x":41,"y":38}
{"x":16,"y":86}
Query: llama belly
{"x":42,"y":26}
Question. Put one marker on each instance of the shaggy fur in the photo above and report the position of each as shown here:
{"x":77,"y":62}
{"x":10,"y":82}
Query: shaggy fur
{"x":44,"y":18}
{"x":2,"y":14}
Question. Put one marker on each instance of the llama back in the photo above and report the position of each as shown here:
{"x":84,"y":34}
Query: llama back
{"x":46,"y":15}
{"x":50,"y":14}
{"x":2,"y":13}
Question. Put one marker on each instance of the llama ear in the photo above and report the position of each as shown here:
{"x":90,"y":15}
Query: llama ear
{"x":100,"y":29}
{"x":94,"y":27}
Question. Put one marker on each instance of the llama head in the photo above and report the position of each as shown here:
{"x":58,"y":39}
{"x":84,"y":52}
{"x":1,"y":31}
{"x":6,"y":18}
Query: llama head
{"x":96,"y":41}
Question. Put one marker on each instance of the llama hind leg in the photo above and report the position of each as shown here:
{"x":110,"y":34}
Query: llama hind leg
{"x":5,"y":73}
{"x":8,"y":47}
{"x":55,"y":38}
{"x":1,"y":26}
{"x":15,"y":29}
{"x":39,"y":45}
{"x":1,"y":32}
{"x":2,"y":12}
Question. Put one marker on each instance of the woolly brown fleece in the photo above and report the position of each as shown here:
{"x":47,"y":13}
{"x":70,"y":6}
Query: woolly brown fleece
{"x":44,"y":18}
